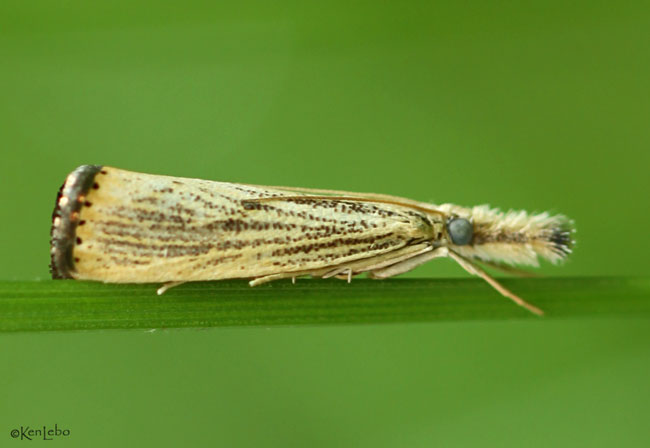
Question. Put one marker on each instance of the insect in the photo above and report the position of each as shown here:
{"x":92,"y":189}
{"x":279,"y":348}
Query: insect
{"x":113,"y":225}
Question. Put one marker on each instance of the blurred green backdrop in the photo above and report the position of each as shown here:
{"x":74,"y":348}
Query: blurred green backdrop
{"x":542,"y":106}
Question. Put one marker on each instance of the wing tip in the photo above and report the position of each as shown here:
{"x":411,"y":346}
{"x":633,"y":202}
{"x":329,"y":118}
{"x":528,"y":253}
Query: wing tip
{"x":65,"y":219}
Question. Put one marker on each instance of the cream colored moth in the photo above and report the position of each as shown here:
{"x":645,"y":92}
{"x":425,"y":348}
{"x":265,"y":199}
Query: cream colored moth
{"x":118,"y":226}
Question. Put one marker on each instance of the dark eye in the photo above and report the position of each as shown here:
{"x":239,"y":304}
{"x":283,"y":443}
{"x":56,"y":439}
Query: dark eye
{"x":460,"y":230}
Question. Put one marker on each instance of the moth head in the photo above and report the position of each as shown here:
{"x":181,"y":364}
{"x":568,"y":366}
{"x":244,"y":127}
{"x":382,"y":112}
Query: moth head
{"x":512,"y":237}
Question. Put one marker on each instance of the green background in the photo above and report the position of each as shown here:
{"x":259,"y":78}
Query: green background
{"x":541,"y":106}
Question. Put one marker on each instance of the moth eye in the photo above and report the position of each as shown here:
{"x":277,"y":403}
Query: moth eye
{"x":460,"y":230}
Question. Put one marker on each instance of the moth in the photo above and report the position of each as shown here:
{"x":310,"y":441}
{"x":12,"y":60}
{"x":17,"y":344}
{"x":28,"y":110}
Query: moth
{"x":118,"y":226}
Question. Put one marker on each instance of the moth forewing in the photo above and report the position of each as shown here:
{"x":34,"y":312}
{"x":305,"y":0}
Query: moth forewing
{"x":133,"y":227}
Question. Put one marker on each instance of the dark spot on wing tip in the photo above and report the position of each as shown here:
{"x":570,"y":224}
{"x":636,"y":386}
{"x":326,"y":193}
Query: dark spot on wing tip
{"x":64,"y":219}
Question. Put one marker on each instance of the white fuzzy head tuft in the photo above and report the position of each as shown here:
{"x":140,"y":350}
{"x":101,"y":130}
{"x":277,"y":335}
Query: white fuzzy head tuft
{"x":513,"y":237}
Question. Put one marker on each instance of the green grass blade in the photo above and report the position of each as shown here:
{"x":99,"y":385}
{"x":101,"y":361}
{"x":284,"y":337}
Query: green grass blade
{"x":72,"y":305}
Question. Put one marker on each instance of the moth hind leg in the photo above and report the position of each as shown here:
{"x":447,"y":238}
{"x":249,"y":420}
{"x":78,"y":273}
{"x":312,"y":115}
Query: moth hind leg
{"x":160,"y":291}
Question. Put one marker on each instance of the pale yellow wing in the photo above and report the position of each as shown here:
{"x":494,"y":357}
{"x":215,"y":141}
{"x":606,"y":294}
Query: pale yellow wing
{"x":133,"y":227}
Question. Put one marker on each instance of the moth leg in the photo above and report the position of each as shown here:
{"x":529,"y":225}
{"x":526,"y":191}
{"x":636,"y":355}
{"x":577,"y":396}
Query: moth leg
{"x":347,"y":276}
{"x":380,"y":261}
{"x":335,"y":273}
{"x":347,"y":270}
{"x":344,"y":273}
{"x":160,"y":291}
{"x":408,"y":264}
{"x":269,"y":278}
{"x":475,"y":270}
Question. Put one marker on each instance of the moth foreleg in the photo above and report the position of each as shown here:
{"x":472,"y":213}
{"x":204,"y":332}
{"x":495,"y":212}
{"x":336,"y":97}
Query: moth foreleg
{"x":408,"y":264}
{"x":473,"y":269}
